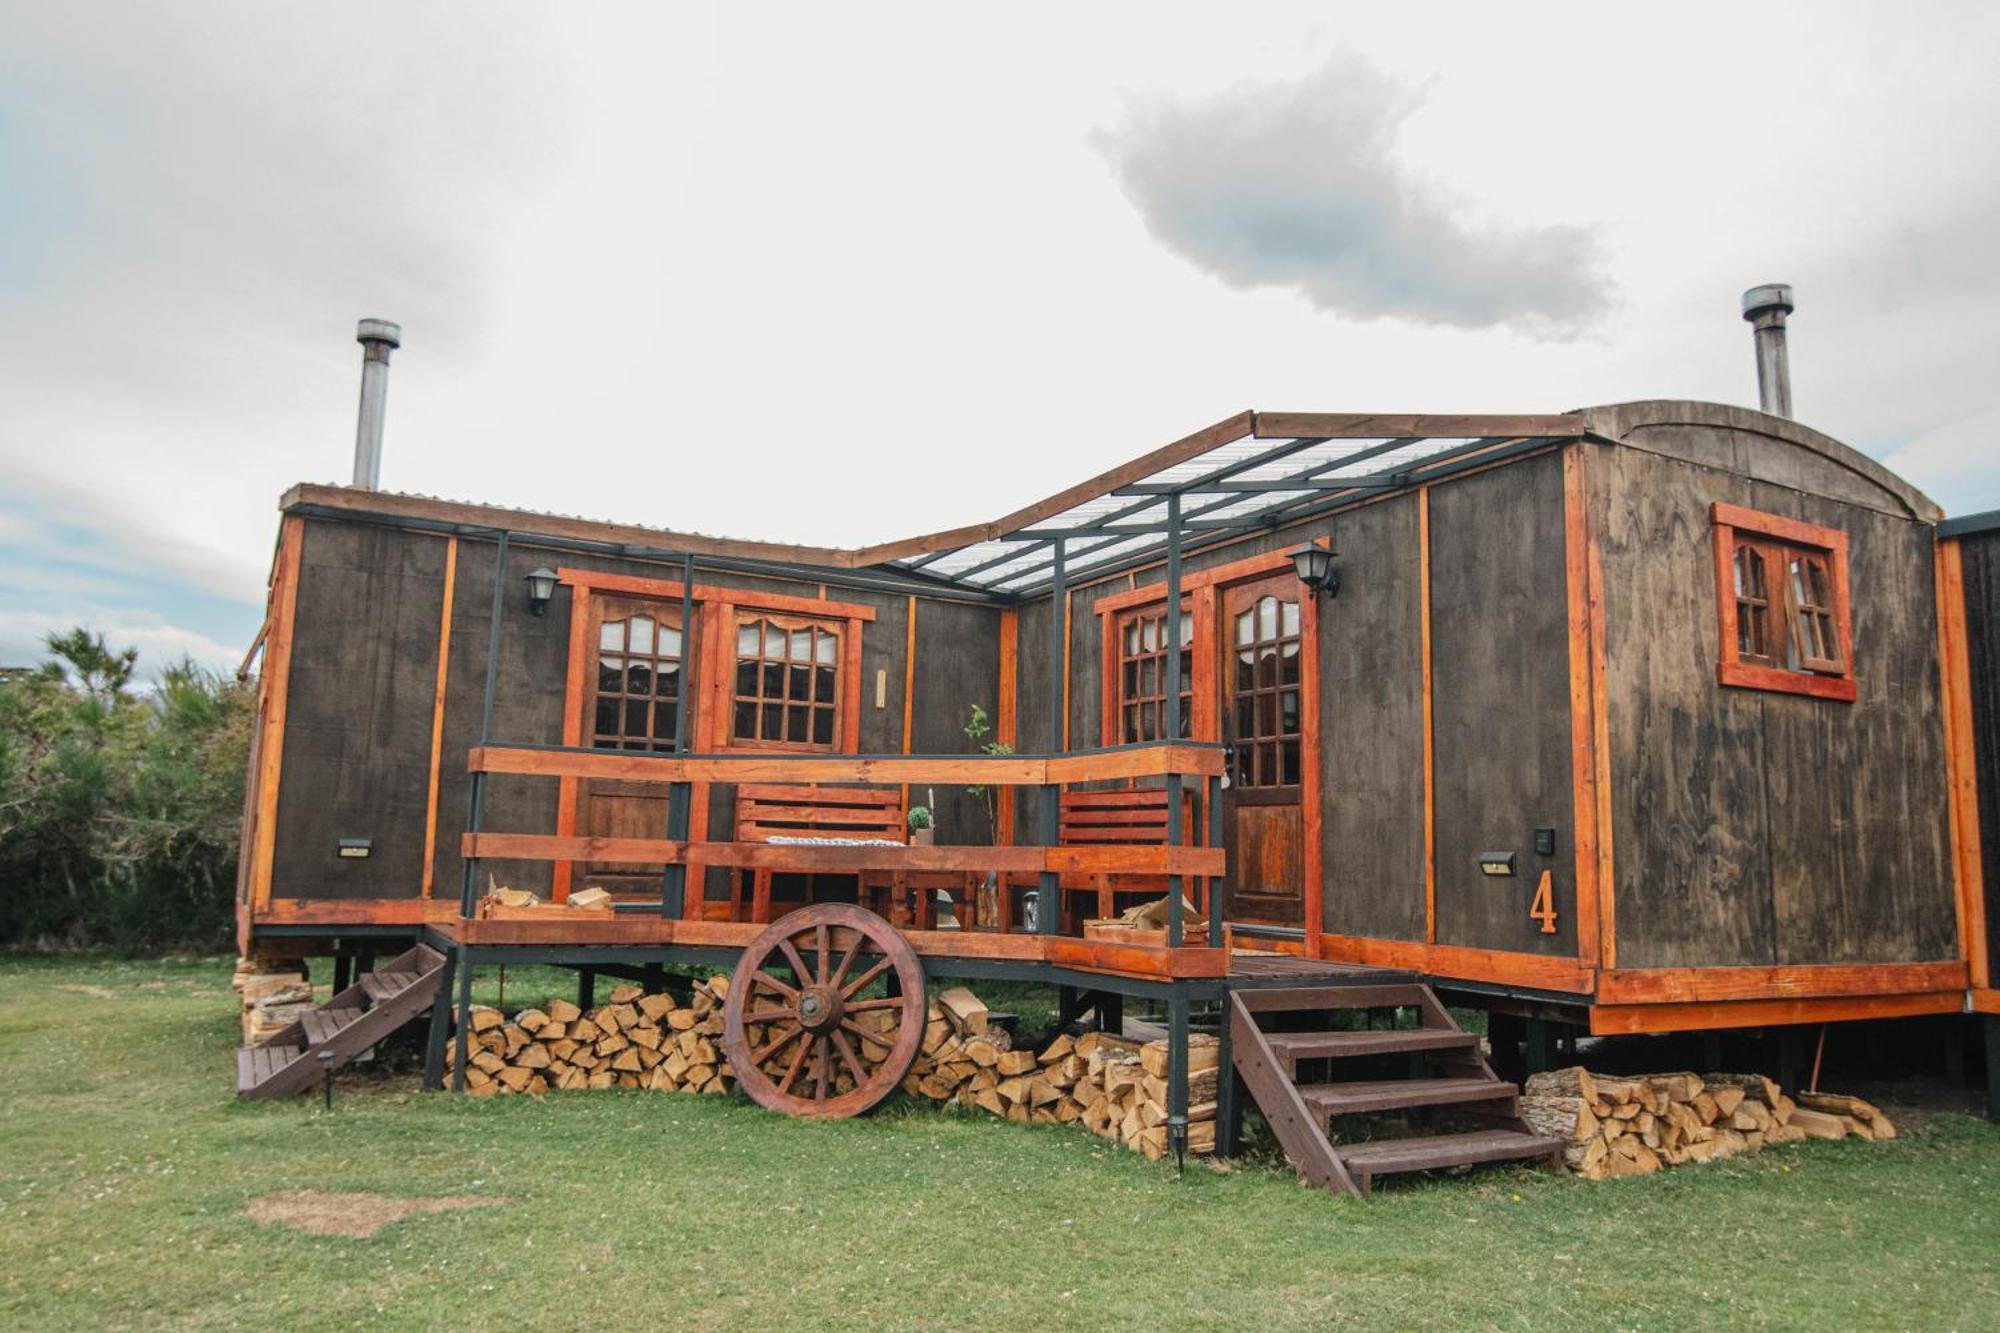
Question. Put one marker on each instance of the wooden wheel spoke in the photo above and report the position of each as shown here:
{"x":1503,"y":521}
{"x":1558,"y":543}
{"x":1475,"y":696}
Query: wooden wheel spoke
{"x":819,"y":938}
{"x":762,"y":978}
{"x":846,"y":961}
{"x":872,"y":1038}
{"x":892,"y":1002}
{"x":771,"y":1048}
{"x":823,"y":1074}
{"x":792,"y":1069}
{"x":858,"y":984}
{"x":799,"y":968}
{"x":847,"y":1056}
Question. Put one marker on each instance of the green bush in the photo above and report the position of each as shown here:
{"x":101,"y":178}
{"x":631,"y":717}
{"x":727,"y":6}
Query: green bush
{"x":120,"y":809}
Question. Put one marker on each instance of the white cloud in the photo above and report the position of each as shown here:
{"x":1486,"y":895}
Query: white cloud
{"x":23,"y":635}
{"x":1297,"y":185}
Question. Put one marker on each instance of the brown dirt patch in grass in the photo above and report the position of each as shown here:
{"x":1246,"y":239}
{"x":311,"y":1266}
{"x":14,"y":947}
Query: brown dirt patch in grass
{"x":101,"y":992}
{"x":327,"y":1213}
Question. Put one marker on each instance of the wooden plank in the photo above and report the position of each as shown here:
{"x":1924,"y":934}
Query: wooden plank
{"x":1615,"y":1020}
{"x":1961,"y":762}
{"x":802,"y":857}
{"x":887,"y":770}
{"x":1429,"y":743}
{"x":1539,"y":971}
{"x":1391,"y":425}
{"x":670,"y":590}
{"x":437,"y":715}
{"x":1299,"y":1130}
{"x":1586,"y":707}
{"x":356,"y":912}
{"x":1153,"y":761}
{"x":1683,"y":984}
{"x":576,"y":698}
{"x":274,"y":685}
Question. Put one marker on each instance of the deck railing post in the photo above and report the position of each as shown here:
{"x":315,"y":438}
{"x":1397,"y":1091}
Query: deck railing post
{"x":680,"y":795}
{"x":1217,"y":887}
{"x":468,"y":895}
{"x":1171,"y":732}
{"x":1048,"y":893}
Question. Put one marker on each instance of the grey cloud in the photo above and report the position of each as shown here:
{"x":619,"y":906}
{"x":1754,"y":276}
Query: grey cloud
{"x":1297,"y":185}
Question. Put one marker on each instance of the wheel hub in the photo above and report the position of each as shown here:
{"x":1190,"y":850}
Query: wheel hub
{"x":820,"y":1008}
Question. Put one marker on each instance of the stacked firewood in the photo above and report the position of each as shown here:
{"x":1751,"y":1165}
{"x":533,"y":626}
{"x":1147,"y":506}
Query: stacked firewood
{"x":1111,"y":1086}
{"x":635,"y":1041}
{"x":1629,"y":1126}
{"x":275,"y":994}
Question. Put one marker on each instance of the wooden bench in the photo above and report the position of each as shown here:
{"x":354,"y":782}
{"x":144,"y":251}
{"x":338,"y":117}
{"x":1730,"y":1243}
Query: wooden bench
{"x":767,"y":813}
{"x":1134,"y":816}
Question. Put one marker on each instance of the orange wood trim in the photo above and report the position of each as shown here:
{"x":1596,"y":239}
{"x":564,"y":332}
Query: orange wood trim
{"x":1612,"y":1020}
{"x":1110,"y":674}
{"x":712,"y":726}
{"x":821,"y":767}
{"x":1784,"y":529}
{"x":1205,"y":688}
{"x":1538,"y":971}
{"x":1673,"y":985}
{"x":1430,"y":744}
{"x":1069,"y":634}
{"x":276,"y":685}
{"x":1984,"y":1001}
{"x":850,"y":721}
{"x":437,"y":715}
{"x":1600,"y":740}
{"x":909,"y":693}
{"x":1727,"y":520}
{"x":1961,"y":769}
{"x":1311,"y":812}
{"x":357,"y":912}
{"x":1007,"y":726}
{"x":670,"y":590}
{"x":1585,"y":679}
{"x":569,"y":794}
{"x":1236,"y":571}
{"x":1839,"y":688}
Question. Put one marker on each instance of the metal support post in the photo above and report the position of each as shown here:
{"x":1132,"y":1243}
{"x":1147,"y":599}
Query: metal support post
{"x":586,"y":988}
{"x":1991,"y":1022}
{"x":1177,"y":1075}
{"x":468,"y":897}
{"x":1176,"y":884}
{"x":440,"y":1030}
{"x":1218,"y":888}
{"x":680,"y":795}
{"x":1048,"y":893}
{"x":464,"y":1016}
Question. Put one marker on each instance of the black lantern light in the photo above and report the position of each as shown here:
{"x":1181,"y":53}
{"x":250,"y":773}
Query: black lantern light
{"x":1314,"y":565}
{"x":541,"y":587}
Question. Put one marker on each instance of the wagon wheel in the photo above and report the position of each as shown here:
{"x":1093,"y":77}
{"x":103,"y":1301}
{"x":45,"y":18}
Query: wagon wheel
{"x":814,"y":1041}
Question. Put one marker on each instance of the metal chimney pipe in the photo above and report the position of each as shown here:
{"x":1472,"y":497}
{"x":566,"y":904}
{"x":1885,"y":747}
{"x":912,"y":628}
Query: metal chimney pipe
{"x":378,"y":338}
{"x":1766,"y":307}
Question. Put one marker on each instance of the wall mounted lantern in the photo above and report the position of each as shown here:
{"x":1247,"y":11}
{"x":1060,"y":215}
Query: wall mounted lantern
{"x":541,"y":587}
{"x":1314,"y":565}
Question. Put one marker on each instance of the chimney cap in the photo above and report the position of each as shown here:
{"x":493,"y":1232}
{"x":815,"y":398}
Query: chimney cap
{"x":1770,"y":296}
{"x":379,"y":331}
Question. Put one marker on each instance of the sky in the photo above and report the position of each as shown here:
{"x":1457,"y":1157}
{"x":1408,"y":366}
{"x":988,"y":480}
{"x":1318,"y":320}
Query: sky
{"x":838,"y":274}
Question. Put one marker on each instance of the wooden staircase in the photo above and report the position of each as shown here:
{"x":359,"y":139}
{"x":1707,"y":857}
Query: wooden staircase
{"x":349,"y":1025}
{"x":1439,"y":1068}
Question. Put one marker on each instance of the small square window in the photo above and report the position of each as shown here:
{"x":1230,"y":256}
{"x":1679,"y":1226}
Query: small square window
{"x":1781,"y":599}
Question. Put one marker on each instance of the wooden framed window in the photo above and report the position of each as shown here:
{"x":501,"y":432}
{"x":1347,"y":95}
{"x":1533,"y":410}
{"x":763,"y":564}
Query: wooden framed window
{"x":636,"y":687}
{"x":1781,"y":595}
{"x":1266,"y":732}
{"x":787,"y":685}
{"x":1141,"y":708}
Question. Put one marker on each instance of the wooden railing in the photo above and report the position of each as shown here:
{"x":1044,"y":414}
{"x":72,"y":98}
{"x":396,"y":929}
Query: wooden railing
{"x":1176,"y":762}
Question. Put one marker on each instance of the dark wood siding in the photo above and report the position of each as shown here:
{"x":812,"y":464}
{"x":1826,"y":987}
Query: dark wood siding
{"x":1981,"y":554}
{"x":1751,"y":827}
{"x":958,"y":665}
{"x":1371,"y":738}
{"x":358,"y":718}
{"x":1500,"y":704}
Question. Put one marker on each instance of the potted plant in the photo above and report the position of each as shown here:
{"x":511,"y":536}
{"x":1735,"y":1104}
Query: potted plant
{"x":921,"y":832}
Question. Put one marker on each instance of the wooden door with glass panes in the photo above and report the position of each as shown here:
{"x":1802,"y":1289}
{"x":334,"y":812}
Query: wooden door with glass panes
{"x":1263,"y":657}
{"x":634,"y":681}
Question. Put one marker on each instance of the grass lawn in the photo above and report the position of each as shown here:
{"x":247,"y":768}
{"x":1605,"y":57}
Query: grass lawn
{"x":126,"y":1165}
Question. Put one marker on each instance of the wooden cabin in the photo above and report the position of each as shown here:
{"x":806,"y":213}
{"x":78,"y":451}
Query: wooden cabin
{"x":1636,"y":715}
{"x":1969,"y":587}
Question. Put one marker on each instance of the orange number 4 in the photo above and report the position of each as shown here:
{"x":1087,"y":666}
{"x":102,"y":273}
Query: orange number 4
{"x":1543,"y":909}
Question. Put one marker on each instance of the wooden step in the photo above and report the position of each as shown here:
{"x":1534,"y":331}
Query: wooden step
{"x":383,"y":985}
{"x":256,"y":1064}
{"x":1297,"y":1046}
{"x":1366,"y":1096}
{"x":321,"y":1024}
{"x":1293,"y":999}
{"x":1365,"y":1161}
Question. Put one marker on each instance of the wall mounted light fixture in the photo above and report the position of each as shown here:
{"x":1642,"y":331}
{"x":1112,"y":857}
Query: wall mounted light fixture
{"x":541,"y":587}
{"x":1314,"y":565}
